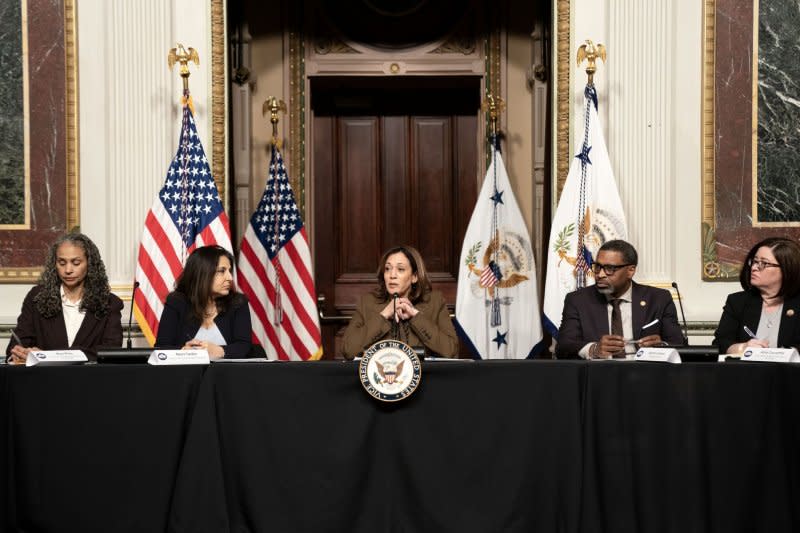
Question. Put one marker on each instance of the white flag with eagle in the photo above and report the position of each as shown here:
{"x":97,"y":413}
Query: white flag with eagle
{"x":589,"y":213}
{"x":497,"y":305}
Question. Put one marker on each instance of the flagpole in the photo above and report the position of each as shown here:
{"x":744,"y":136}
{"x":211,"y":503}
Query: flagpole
{"x":588,"y":52}
{"x":494,"y":105}
{"x":274,"y":106}
{"x":182,"y":55}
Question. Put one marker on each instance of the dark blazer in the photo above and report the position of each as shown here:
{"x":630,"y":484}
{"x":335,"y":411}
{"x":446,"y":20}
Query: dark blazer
{"x":33,"y":329}
{"x":585,"y":318}
{"x":744,"y":309}
{"x":431,"y":328}
{"x":178,"y":325}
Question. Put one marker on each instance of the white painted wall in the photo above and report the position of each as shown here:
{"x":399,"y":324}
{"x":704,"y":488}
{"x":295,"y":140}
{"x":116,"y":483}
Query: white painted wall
{"x":650,"y":94}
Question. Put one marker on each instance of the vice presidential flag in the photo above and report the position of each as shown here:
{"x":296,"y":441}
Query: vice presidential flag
{"x":497,"y":305}
{"x":589,"y":213}
{"x":186,"y":214}
{"x":275,"y":273}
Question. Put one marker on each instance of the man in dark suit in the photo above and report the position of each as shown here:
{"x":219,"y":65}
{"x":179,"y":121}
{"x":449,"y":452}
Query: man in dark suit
{"x":616,"y":315}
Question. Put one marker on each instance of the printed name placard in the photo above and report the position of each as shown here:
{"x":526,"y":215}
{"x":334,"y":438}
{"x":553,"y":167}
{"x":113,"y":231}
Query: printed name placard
{"x":661,"y":355}
{"x":55,"y":357}
{"x":771,"y":355}
{"x":179,"y":357}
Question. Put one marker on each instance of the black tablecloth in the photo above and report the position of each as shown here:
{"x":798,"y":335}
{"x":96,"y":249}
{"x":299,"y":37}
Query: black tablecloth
{"x":301,"y":447}
{"x":555,"y":446}
{"x":691,"y":448}
{"x":93,"y":448}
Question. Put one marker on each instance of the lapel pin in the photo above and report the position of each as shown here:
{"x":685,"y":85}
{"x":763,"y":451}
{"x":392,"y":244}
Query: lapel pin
{"x":642,"y":303}
{"x":790,"y":312}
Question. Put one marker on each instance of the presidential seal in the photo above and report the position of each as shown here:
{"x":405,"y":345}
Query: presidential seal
{"x":390,"y":370}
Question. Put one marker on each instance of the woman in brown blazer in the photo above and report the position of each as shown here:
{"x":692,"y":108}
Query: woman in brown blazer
{"x":403,"y":307}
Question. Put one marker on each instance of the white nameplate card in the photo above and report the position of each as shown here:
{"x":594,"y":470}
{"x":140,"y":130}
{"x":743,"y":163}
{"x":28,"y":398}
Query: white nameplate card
{"x":771,"y":355}
{"x":661,"y":355}
{"x":179,"y":357}
{"x":55,"y":357}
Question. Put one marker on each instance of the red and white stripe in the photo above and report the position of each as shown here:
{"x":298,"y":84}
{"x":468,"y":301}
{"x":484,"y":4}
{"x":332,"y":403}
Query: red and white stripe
{"x":161,"y":257}
{"x":297,"y":336}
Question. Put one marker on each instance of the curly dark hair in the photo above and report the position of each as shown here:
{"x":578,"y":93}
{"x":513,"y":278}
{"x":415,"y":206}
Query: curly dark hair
{"x":197,"y":279}
{"x":420,"y":289}
{"x":96,"y":290}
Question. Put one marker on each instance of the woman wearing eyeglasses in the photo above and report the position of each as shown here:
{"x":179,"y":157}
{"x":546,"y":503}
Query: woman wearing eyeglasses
{"x":765,"y":314}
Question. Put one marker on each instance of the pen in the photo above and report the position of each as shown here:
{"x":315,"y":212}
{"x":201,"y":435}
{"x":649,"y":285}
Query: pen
{"x":750,"y":332}
{"x":650,"y":324}
{"x":16,"y":338}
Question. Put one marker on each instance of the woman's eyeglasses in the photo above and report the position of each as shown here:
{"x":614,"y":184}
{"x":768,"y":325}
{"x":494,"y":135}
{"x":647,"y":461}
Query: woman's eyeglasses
{"x":761,"y":265}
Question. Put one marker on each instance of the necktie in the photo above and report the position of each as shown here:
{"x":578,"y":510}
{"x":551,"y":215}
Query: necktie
{"x":616,"y":317}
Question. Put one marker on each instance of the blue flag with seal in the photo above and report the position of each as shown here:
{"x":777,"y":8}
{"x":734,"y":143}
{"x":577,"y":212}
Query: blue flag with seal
{"x":589,"y":213}
{"x":497,"y":305}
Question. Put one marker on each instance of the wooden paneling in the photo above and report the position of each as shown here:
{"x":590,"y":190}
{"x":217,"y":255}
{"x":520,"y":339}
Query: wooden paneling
{"x":389,"y":168}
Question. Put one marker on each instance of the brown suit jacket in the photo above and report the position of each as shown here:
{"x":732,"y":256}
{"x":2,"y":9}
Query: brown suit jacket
{"x":33,"y":329}
{"x":431,"y":328}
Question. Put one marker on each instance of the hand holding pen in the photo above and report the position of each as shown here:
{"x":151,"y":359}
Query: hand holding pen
{"x":19,"y":353}
{"x":754,"y":341}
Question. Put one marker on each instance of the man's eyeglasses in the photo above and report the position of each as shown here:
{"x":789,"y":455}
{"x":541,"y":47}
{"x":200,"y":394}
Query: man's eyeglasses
{"x":761,"y":265}
{"x":610,"y":270}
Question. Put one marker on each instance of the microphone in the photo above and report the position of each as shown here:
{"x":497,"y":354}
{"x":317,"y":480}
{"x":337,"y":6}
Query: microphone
{"x":395,"y":326}
{"x":683,"y":316}
{"x":130,"y":316}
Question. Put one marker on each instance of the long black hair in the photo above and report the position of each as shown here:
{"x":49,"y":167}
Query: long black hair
{"x":197,"y":280}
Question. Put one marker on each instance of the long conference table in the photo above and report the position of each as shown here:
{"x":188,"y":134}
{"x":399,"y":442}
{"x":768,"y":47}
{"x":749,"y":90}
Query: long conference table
{"x":491,"y":446}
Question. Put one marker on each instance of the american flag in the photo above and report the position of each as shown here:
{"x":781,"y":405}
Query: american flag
{"x":186,"y":214}
{"x":275,"y":273}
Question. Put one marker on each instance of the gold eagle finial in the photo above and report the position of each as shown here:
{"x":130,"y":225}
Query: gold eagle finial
{"x":181,"y":55}
{"x":590,"y":52}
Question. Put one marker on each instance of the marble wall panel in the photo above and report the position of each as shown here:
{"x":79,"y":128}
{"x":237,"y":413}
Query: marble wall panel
{"x":53,"y":189}
{"x":749,"y":69}
{"x":12,"y":125}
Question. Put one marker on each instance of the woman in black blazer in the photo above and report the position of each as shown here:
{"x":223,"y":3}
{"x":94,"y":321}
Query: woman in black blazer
{"x":72,"y":305}
{"x":767,"y":311}
{"x":204,"y":311}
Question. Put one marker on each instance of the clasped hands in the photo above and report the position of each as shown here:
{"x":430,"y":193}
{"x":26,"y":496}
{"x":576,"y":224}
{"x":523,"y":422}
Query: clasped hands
{"x":613,"y":346}
{"x":405,"y":310}
{"x":215,"y":351}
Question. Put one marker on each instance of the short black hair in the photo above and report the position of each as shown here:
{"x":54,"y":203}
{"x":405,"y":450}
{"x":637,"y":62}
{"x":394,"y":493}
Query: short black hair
{"x":627,"y":250}
{"x":787,"y":254}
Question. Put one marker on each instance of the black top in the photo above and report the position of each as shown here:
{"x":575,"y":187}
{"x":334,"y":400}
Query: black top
{"x":178,"y":325}
{"x":45,"y":333}
{"x":743,"y":308}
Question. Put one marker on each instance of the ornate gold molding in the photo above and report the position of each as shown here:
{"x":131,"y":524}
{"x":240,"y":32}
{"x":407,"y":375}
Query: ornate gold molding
{"x":562,"y":96}
{"x":218,"y":84}
{"x":297,"y":120}
{"x":709,"y":22}
{"x":71,"y":112}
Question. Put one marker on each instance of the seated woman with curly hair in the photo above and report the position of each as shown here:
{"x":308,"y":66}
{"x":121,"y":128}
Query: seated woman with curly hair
{"x":71,"y":306}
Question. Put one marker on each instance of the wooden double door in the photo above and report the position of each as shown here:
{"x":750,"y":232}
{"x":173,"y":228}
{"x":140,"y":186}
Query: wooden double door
{"x":395,"y":161}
